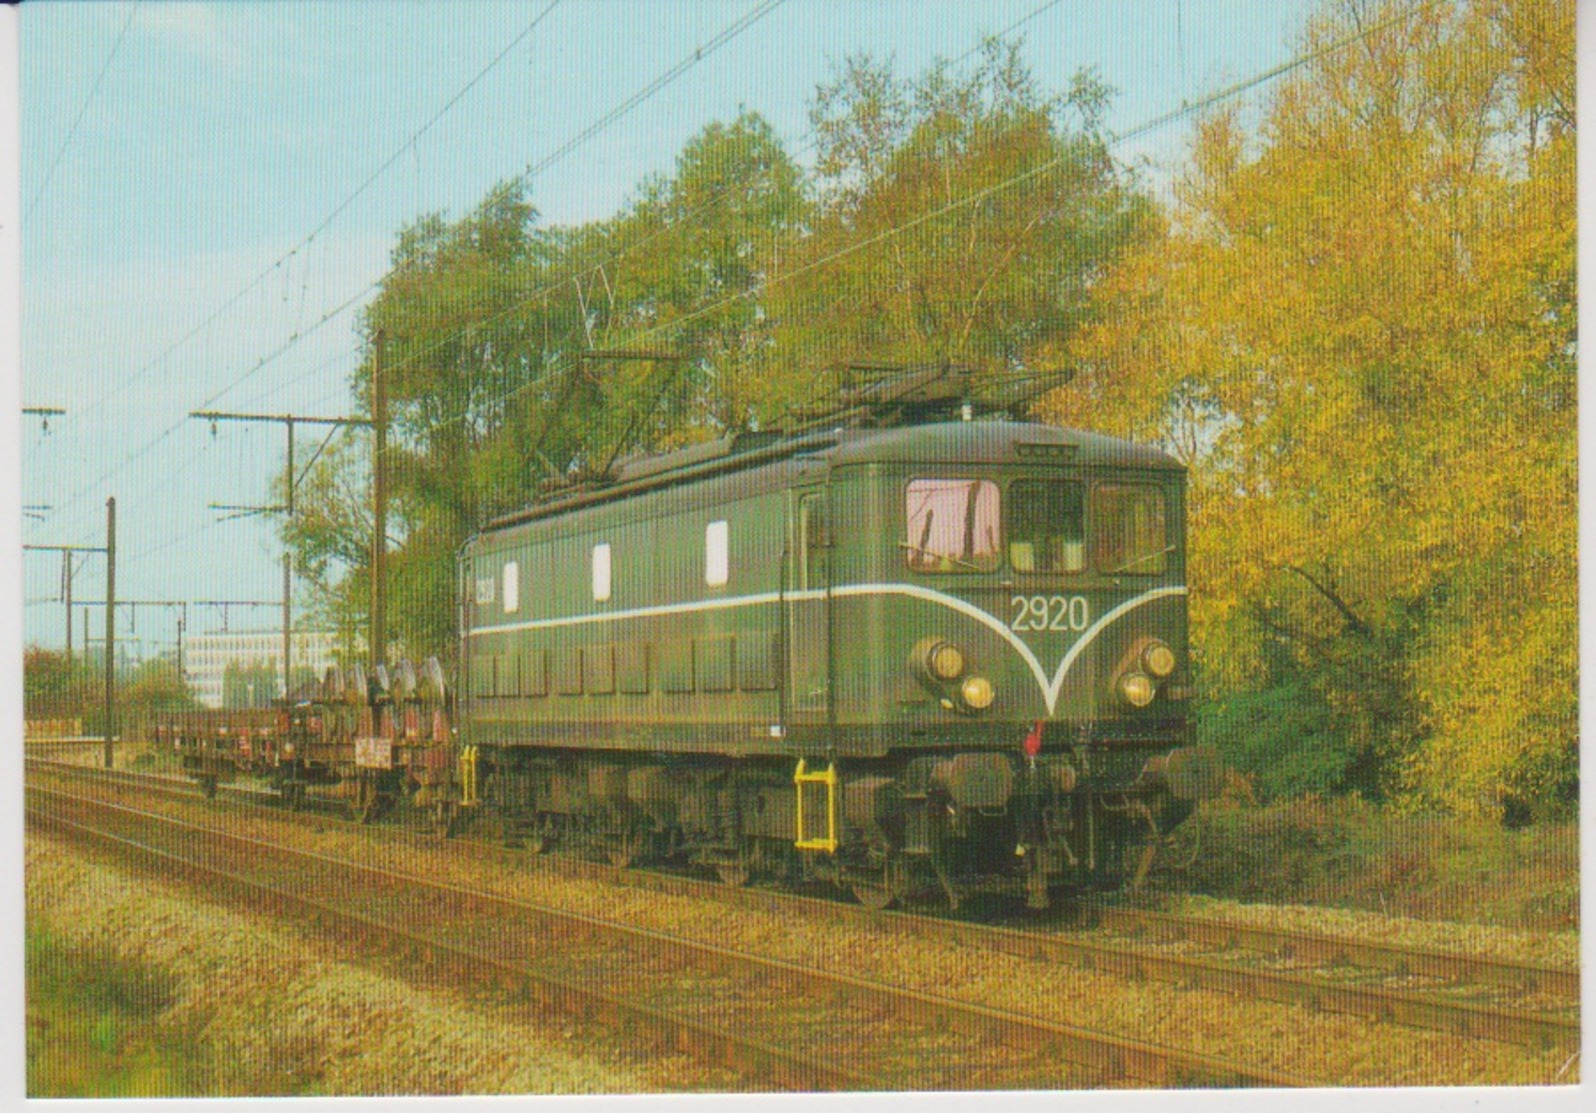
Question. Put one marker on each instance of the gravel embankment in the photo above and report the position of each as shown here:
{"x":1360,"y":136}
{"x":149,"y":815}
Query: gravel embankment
{"x":279,"y":1016}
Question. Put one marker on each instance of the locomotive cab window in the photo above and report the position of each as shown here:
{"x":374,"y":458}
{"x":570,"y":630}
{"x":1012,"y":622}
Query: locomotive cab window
{"x":952,"y":526}
{"x":1047,"y":527}
{"x":1129,"y":530}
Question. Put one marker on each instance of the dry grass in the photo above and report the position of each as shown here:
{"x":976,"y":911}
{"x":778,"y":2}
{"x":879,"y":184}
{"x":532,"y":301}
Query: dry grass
{"x":277,"y":1017}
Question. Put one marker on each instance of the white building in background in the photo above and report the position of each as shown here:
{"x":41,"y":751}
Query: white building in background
{"x":206,"y":657}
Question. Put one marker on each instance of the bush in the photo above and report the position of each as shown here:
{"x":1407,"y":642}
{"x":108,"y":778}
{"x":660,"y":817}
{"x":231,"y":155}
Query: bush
{"x":1350,"y":852}
{"x":1286,"y":740}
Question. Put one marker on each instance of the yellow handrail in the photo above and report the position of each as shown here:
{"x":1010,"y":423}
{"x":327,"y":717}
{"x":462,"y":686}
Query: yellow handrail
{"x":828,"y":844}
{"x":468,"y":776}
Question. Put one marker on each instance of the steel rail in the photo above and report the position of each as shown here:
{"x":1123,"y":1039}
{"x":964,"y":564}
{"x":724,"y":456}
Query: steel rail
{"x":1413,"y":1009}
{"x":1316,"y":947}
{"x":784,"y":1068}
{"x":1107,"y":1058}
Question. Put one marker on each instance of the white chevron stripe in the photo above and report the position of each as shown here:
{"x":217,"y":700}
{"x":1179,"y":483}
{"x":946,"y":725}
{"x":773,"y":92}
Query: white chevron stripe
{"x":1051,"y":687}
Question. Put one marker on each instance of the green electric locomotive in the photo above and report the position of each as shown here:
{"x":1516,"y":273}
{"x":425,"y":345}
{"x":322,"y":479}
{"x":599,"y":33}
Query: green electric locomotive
{"x":910,"y":650}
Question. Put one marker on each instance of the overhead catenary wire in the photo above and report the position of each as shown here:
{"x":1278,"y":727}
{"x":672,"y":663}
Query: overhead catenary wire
{"x":1186,"y":109}
{"x":649,"y":90}
{"x":82,"y":110}
{"x":347,"y":201}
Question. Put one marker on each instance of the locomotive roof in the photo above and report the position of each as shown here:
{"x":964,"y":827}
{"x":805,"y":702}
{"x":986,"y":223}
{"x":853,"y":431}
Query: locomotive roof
{"x":976,"y":442}
{"x":995,"y":442}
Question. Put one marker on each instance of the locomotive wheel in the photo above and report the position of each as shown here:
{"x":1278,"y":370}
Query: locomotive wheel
{"x":737,"y":872}
{"x":878,"y":891}
{"x":734,"y":874}
{"x":623,"y":855}
{"x":876,"y":897}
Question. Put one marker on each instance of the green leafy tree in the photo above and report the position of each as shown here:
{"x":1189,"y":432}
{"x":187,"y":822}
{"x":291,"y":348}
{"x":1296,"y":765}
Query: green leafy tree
{"x":962,"y":218}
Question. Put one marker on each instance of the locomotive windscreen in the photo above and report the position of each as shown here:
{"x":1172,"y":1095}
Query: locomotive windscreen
{"x":952,"y":525}
{"x":1047,"y":527}
{"x":1129,"y":533}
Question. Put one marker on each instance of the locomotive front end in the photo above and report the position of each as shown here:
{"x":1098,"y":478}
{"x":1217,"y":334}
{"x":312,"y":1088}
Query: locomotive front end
{"x":1023,"y":645}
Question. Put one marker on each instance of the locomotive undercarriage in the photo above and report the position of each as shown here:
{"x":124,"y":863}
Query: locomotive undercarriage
{"x":936,"y":826}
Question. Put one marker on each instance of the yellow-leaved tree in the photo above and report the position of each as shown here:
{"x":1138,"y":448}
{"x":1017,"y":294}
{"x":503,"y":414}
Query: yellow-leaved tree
{"x":1359,"y":330}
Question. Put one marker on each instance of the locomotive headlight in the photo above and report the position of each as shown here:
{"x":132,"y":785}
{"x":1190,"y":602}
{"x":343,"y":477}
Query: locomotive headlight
{"x":945,"y":662}
{"x":1137,"y":688}
{"x":1159,"y":659}
{"x":977,"y":692}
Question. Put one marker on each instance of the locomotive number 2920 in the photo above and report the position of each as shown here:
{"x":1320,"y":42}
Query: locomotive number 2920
{"x":1056,"y":613}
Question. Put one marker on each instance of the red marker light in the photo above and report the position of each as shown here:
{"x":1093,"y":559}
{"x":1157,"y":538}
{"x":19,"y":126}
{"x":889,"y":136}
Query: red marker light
{"x":1033,"y":740}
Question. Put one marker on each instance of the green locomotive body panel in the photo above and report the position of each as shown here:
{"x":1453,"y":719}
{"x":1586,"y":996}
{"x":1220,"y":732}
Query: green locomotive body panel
{"x":775,"y":609}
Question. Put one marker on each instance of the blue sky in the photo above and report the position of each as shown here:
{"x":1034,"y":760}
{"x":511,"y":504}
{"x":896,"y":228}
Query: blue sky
{"x":221,"y":135}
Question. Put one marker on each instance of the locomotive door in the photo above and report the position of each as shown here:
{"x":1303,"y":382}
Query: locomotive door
{"x":808,"y":620}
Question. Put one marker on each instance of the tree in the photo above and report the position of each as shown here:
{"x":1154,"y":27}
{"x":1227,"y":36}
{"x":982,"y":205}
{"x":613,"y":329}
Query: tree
{"x":487,"y":322}
{"x":962,"y":219}
{"x":55,"y":686}
{"x":251,"y":685}
{"x":1359,"y":331}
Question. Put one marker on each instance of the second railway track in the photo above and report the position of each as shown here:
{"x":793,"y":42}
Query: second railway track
{"x":793,"y":1026}
{"x":1443,"y":1009}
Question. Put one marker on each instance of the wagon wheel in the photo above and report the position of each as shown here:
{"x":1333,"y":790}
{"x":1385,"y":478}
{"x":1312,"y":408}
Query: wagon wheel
{"x":443,"y":818}
{"x":385,"y":803}
{"x":364,"y":806}
{"x":208,"y":786}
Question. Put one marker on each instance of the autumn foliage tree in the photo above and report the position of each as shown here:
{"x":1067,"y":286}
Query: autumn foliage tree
{"x":1359,"y":330}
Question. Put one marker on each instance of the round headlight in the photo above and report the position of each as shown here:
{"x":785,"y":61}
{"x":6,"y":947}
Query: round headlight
{"x":945,"y":661}
{"x":1137,"y":688}
{"x":1159,"y":659}
{"x":977,"y":692}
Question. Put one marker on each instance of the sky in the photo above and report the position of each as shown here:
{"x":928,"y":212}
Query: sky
{"x":209,"y":192}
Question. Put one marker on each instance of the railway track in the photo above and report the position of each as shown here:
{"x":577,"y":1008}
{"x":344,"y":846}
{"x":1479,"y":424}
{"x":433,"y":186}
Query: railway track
{"x":1456,"y":1007}
{"x":793,"y":1026}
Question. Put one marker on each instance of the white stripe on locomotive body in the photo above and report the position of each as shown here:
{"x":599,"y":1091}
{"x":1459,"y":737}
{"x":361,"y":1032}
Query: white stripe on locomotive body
{"x":1051,"y":687}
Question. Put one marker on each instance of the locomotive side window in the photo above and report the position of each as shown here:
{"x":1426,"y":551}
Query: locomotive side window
{"x":717,"y":554}
{"x":952,"y":526}
{"x":601,"y":572}
{"x":1128,"y":529}
{"x":1047,"y":527}
{"x":512,"y":586}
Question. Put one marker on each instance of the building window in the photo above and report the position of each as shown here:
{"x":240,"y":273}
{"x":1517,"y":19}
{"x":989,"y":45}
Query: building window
{"x":601,"y":572}
{"x":717,"y":554}
{"x":512,"y":586}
